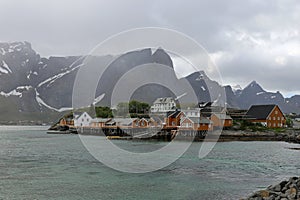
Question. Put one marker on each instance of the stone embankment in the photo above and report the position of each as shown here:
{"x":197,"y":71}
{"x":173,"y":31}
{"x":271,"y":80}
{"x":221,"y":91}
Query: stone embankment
{"x":286,"y":190}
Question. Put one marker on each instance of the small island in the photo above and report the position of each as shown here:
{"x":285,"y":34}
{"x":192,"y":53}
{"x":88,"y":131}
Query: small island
{"x":165,"y":120}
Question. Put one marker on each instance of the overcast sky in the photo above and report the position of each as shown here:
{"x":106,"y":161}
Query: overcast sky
{"x":249,"y":40}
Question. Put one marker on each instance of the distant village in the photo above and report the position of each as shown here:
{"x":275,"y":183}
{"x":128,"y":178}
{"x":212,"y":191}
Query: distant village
{"x":165,"y":117}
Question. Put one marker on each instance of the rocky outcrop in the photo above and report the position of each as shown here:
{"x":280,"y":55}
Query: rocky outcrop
{"x":286,"y":190}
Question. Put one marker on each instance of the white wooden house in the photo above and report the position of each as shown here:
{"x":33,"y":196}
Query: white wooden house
{"x":82,"y":119}
{"x":163,"y":105}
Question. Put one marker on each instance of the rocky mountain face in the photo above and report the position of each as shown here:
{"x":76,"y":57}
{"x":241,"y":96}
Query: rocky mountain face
{"x":255,"y":94}
{"x":33,"y":87}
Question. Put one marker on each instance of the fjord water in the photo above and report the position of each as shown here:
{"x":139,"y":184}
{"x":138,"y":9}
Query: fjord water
{"x":34,"y":165}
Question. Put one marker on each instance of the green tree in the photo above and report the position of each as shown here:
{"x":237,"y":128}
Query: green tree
{"x":103,"y":112}
{"x":133,"y":108}
{"x":138,"y":107}
{"x":289,"y":122}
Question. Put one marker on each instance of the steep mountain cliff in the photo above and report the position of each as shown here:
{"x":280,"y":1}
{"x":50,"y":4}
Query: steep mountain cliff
{"x":37,"y":88}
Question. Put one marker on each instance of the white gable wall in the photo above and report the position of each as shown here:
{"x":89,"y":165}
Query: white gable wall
{"x":83,"y":120}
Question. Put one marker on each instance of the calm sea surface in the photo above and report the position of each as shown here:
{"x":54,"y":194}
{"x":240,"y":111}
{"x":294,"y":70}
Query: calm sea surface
{"x":34,"y":165}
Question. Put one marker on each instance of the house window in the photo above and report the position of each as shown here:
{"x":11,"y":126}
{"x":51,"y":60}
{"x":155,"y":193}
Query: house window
{"x":137,"y":123}
{"x":82,"y":120}
{"x":143,"y":123}
{"x":173,"y":123}
{"x":282,"y":118}
{"x":279,"y":124}
{"x":274,"y":125}
{"x":276,"y":112}
{"x":278,"y":118}
{"x":274,"y":118}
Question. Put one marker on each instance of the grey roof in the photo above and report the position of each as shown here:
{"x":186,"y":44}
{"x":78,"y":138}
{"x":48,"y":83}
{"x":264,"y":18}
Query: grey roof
{"x":122,"y":121}
{"x":197,"y":120}
{"x":164,"y":100}
{"x":201,"y":121}
{"x":173,"y":114}
{"x":101,"y":120}
{"x":260,"y":111}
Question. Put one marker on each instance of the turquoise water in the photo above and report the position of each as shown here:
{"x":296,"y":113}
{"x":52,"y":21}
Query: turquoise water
{"x":34,"y":165}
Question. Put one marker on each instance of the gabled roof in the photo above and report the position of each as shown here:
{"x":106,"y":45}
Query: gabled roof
{"x":145,"y":119}
{"x":77,"y":114}
{"x":122,"y":121}
{"x":173,"y":114}
{"x":260,"y":112}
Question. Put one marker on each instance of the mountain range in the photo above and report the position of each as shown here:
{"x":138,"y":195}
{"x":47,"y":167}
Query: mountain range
{"x":38,"y":88}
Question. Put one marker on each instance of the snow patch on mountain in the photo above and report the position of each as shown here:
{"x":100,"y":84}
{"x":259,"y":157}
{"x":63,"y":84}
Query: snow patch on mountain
{"x":41,"y":103}
{"x":2,"y":51}
{"x":236,"y":88}
{"x":11,"y":93}
{"x":6,"y":66}
{"x":4,"y":71}
{"x":58,"y":76}
{"x":13,"y":46}
{"x":28,"y":76}
{"x":98,"y":99}
{"x":16,"y":92}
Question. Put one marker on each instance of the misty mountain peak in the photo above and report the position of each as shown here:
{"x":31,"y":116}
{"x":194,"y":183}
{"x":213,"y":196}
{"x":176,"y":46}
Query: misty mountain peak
{"x":254,"y":86}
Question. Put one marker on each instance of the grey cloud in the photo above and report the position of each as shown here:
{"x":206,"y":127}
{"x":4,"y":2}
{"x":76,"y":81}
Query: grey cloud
{"x":74,"y":27}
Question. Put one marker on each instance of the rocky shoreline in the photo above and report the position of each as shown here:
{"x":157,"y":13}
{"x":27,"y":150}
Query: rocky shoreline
{"x":286,"y":135}
{"x":289,"y":135}
{"x":286,"y":190}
